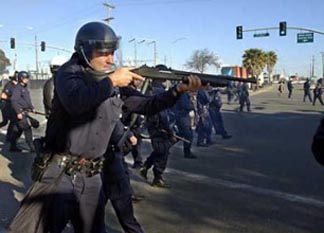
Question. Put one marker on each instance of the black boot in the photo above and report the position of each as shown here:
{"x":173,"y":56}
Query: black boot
{"x":143,"y":172}
{"x":160,"y":183}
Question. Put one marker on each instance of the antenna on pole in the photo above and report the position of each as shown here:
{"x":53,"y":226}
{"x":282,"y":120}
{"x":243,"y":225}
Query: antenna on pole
{"x":109,"y":7}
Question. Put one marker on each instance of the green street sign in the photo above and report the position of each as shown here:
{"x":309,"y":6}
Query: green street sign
{"x":305,"y":37}
{"x":261,"y":34}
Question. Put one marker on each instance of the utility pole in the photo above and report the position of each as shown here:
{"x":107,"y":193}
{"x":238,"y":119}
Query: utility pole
{"x":135,"y":50}
{"x":313,"y":63}
{"x":322,"y":64}
{"x":109,"y":7}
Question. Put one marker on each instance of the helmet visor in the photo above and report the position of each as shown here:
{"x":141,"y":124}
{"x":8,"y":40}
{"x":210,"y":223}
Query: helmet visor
{"x":104,"y":45}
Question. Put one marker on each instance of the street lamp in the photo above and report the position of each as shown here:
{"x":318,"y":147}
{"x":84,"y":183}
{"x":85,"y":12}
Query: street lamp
{"x":154,"y":43}
{"x":135,"y":50}
{"x":174,"y":42}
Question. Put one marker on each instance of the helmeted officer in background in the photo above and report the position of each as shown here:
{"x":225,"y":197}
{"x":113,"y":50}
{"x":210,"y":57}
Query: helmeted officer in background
{"x":318,"y":94}
{"x":307,"y":91}
{"x":181,"y":111}
{"x":85,"y":112}
{"x":48,"y":88}
{"x":216,"y":117}
{"x":204,"y":126}
{"x":245,"y":97}
{"x":21,"y":105}
{"x":162,"y":139}
{"x":136,"y":128}
{"x":6,"y":110}
{"x":290,"y":88}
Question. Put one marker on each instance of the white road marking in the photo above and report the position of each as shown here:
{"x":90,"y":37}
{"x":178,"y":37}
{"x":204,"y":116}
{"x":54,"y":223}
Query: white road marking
{"x":246,"y":187}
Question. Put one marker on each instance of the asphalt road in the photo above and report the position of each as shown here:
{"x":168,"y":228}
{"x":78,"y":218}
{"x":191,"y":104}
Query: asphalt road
{"x":263,"y":180}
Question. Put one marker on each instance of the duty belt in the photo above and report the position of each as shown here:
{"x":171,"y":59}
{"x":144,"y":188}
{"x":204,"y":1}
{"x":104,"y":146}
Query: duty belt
{"x":73,"y":164}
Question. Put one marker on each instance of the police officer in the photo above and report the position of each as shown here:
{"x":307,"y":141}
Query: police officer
{"x":307,"y":92}
{"x":245,"y":97}
{"x":21,"y":104}
{"x":7,"y":112}
{"x":215,"y":106}
{"x":48,"y":88}
{"x":162,"y":139}
{"x":136,"y":128}
{"x":318,"y":94}
{"x":84,"y":114}
{"x":204,"y":126}
{"x":290,"y":88}
{"x":182,"y":109}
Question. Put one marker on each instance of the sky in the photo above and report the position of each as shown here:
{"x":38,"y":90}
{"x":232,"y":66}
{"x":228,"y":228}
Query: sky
{"x":176,"y":27}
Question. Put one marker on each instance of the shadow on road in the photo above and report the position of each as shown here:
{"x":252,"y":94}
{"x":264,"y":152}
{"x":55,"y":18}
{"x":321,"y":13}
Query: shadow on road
{"x":14,"y":182}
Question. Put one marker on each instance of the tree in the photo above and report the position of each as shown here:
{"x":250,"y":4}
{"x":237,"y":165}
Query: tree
{"x":4,"y":62}
{"x":254,"y":61}
{"x":201,"y":59}
{"x":270,"y":63}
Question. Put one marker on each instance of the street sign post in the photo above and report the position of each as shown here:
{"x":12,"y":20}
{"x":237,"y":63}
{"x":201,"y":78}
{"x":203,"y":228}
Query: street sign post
{"x":305,"y":37}
{"x":261,"y":34}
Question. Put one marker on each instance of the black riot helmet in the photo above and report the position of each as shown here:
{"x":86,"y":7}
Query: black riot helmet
{"x":22,"y":75}
{"x":95,"y":36}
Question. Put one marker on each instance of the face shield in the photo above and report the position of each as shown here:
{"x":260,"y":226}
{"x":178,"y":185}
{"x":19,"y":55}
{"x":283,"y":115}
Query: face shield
{"x":93,"y":48}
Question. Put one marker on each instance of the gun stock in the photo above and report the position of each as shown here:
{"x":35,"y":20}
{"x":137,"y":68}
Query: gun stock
{"x":179,"y":75}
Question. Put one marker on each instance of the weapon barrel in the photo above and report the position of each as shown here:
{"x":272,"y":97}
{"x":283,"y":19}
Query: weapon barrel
{"x":179,"y":75}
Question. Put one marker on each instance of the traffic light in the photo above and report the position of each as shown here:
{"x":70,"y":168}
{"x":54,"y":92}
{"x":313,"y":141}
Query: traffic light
{"x":12,"y":43}
{"x":43,"y":46}
{"x":239,"y":32}
{"x":283,"y":28}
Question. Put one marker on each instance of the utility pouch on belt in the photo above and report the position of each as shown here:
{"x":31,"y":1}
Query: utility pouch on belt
{"x":41,"y":160}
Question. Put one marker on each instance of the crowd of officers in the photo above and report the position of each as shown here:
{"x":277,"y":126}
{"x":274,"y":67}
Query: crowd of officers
{"x":312,"y":95}
{"x":80,"y":162}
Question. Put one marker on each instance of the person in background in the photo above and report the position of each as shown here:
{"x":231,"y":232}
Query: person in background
{"x":215,"y":106}
{"x":48,"y":88}
{"x":6,"y":110}
{"x":307,"y":92}
{"x":245,"y":97}
{"x":21,"y":104}
{"x":318,"y":94}
{"x":290,"y":88}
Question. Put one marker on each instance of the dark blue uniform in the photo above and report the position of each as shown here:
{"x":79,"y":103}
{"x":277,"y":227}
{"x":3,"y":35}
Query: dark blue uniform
{"x":245,"y":97}
{"x":290,"y":88}
{"x":7,"y":111}
{"x":116,"y":183}
{"x":115,"y":174}
{"x":81,"y":110}
{"x":216,"y":117}
{"x":204,"y":126}
{"x":307,"y":92}
{"x":181,"y":110}
{"x":160,"y":132}
{"x":21,"y":103}
{"x":136,"y":128}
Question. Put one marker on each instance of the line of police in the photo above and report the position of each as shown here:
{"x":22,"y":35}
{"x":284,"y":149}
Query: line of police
{"x":80,"y":162}
{"x":15,"y":107}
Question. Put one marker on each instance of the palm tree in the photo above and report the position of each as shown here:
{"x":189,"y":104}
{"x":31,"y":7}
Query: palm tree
{"x":201,"y":59}
{"x":4,"y":62}
{"x":270,"y":63}
{"x":254,"y":61}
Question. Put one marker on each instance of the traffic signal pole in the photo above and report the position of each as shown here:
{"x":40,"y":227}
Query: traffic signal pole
{"x":277,"y":28}
{"x":36,"y":56}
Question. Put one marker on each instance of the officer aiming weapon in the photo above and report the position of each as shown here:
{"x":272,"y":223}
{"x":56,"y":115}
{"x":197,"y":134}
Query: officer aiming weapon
{"x":178,"y":75}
